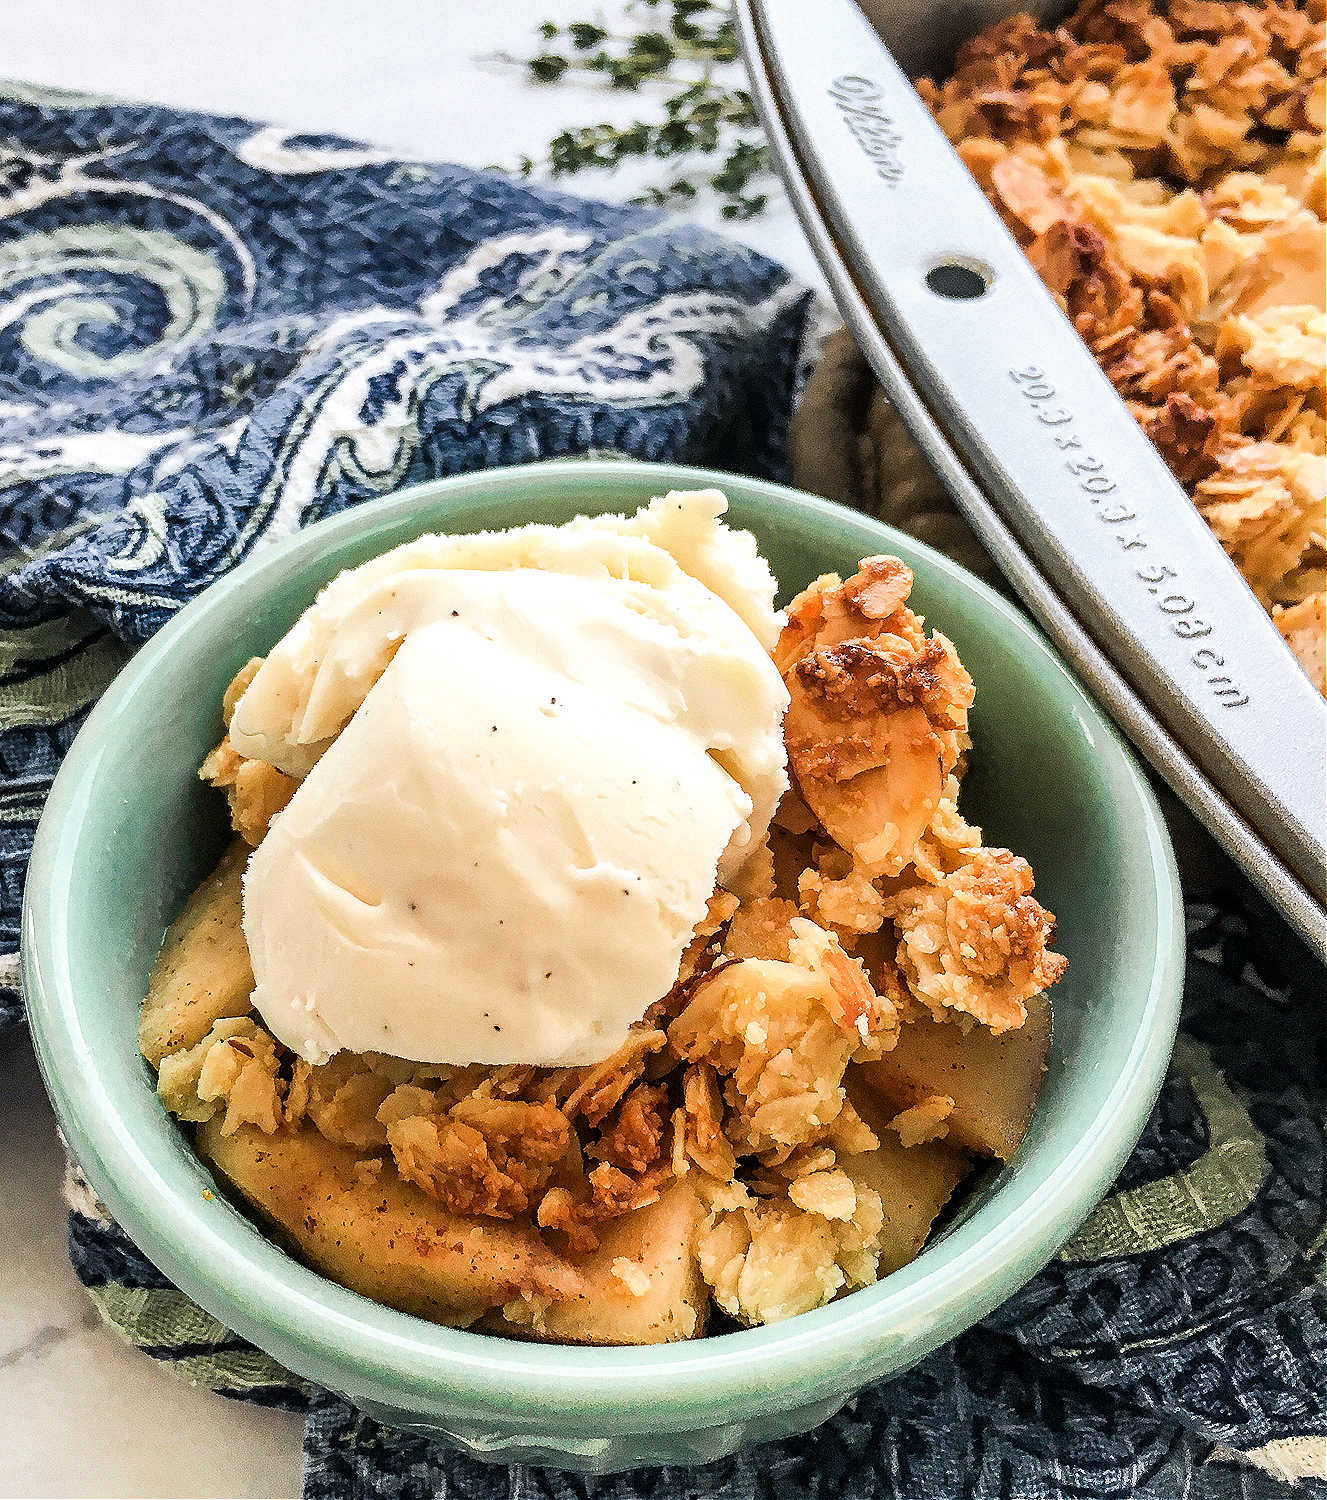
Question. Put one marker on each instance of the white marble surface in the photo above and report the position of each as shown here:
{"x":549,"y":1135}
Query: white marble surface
{"x":82,"y":1414}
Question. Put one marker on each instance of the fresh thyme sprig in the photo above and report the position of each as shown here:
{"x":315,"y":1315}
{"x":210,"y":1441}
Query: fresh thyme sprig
{"x":705,"y":120}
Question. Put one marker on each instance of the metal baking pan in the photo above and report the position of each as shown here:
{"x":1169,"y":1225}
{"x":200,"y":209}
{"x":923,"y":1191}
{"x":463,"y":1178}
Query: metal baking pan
{"x":1043,"y":458}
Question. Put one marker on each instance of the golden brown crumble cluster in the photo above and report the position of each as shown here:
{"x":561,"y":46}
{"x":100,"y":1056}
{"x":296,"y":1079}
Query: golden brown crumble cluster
{"x":1161,"y":162}
{"x":879,"y":909}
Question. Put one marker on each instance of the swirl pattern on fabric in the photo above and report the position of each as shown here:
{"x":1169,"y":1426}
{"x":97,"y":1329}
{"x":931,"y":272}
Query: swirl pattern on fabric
{"x":211,"y":335}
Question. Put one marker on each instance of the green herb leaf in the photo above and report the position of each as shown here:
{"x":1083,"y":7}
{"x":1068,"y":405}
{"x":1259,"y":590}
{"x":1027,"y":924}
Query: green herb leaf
{"x":547,"y":68}
{"x":584,"y":35}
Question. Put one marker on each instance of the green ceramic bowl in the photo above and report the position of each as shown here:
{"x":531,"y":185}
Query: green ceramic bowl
{"x":128,"y":830}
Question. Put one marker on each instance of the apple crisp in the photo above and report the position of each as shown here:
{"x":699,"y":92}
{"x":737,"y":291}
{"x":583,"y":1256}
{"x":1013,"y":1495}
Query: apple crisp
{"x":1161,"y":163}
{"x":751,"y":1147}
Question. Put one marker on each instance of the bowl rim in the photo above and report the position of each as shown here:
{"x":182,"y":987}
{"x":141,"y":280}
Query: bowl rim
{"x":359,"y":1345}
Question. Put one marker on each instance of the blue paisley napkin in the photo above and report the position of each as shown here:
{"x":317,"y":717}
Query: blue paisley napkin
{"x":213,"y":333}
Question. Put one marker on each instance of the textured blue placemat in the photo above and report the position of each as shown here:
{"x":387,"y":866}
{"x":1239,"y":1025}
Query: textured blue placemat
{"x":212,"y":333}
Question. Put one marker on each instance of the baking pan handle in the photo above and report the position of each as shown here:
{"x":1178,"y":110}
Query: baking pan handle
{"x":1051,"y":443}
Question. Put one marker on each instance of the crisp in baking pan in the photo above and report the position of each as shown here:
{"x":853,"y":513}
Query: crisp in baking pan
{"x":1030,"y":438}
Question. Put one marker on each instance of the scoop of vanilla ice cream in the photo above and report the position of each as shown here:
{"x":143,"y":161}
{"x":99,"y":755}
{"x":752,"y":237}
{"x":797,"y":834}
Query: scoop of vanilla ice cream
{"x":525,"y":757}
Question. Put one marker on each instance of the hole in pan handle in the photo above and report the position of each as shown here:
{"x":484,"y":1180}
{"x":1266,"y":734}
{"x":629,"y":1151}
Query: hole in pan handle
{"x":960,"y":279}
